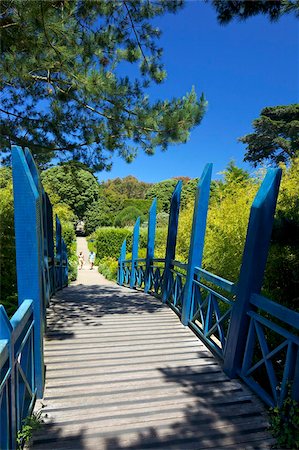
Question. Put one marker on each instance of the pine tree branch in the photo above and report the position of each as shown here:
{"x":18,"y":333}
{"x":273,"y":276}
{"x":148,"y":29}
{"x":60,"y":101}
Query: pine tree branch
{"x":18,"y":116}
{"x":46,"y":34}
{"x":136,"y":34}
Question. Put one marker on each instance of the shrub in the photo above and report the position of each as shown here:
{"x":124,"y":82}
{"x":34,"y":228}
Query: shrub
{"x":284,"y":423}
{"x":108,"y":241}
{"x":8,"y":282}
{"x":108,"y":267}
{"x":142,"y":205}
{"x":127,"y":217}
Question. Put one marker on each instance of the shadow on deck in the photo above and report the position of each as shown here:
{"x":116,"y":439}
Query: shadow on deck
{"x":123,"y":373}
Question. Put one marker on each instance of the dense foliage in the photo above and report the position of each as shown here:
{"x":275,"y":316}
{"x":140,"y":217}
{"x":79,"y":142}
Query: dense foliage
{"x":71,"y":184}
{"x":228,"y":10}
{"x":276,"y":136}
{"x":8,"y":282}
{"x":230,"y":202}
{"x":65,"y":88}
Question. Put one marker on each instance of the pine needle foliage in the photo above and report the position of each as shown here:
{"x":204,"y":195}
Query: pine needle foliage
{"x":227,"y":10}
{"x":276,"y":136}
{"x":65,"y":87}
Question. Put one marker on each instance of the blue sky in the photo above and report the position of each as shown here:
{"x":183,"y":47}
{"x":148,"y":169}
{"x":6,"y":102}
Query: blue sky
{"x":241,"y":67}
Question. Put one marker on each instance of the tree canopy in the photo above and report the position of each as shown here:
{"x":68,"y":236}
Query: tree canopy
{"x":276,"y":135}
{"x":227,"y":10}
{"x":72,"y":185}
{"x":64,"y":83}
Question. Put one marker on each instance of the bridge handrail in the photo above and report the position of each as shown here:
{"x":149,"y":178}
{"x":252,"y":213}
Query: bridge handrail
{"x":40,"y":273}
{"x":224,"y":314}
{"x":220,"y":282}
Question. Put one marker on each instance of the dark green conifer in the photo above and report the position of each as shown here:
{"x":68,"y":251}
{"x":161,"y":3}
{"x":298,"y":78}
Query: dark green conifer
{"x":64,"y":83}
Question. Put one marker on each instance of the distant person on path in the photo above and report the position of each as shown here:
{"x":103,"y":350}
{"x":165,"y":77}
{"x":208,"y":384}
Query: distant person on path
{"x":92,"y":257}
{"x":81,"y":260}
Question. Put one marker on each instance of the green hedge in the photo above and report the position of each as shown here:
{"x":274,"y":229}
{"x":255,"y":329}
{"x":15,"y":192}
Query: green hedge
{"x":108,"y":241}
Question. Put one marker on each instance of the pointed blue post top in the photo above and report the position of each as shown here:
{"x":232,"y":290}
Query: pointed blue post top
{"x":5,"y":325}
{"x":122,"y":257}
{"x":151,"y":231}
{"x":135,"y":246}
{"x":123,"y":250}
{"x":171,"y":237}
{"x":196,"y":248}
{"x":253,"y":266}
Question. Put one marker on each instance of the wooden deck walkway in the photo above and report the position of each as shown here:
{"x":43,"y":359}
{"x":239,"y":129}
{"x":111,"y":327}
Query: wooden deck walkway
{"x":123,"y":373}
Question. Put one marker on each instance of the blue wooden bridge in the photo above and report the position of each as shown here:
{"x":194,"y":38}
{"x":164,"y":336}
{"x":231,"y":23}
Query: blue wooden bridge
{"x":172,"y":357}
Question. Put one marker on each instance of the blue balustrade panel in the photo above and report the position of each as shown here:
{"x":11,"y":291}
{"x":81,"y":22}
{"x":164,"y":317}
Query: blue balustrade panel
{"x":156,"y":277}
{"x":211,"y":306}
{"x":64,"y":263}
{"x":17,"y":375}
{"x":271,"y":358}
{"x":135,"y":246}
{"x":5,"y":400}
{"x":50,"y":239}
{"x":58,"y":257}
{"x":140,"y":271}
{"x":177,"y":280}
{"x":126,"y":267}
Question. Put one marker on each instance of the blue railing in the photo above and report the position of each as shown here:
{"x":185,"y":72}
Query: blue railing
{"x":40,"y":273}
{"x":254,"y":337}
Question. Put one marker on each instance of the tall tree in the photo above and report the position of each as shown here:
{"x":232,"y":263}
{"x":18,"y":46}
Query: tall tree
{"x":227,"y":10}
{"x":276,"y":135}
{"x":64,"y":86}
{"x":73,"y":185}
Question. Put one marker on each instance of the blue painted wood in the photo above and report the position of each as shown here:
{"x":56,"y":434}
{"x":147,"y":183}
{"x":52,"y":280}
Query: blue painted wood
{"x":50,"y":239}
{"x":64,"y":264}
{"x":29,"y":251}
{"x":259,"y":329}
{"x":47,"y":288}
{"x":275,"y":309}
{"x":295,"y":387}
{"x":253,"y":267}
{"x":122,"y":258}
{"x":36,"y":179}
{"x":17,"y":377}
{"x":58,"y":258}
{"x":228,"y":286}
{"x":135,"y":245}
{"x":171,"y":239}
{"x":150,"y":245}
{"x":197,"y":238}
{"x":7,"y":392}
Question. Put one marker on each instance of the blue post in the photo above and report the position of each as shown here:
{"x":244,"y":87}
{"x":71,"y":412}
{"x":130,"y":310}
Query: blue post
{"x":197,"y":240}
{"x":47,"y":286}
{"x":135,"y":245}
{"x":50,"y":238}
{"x":58,"y":254}
{"x":36,"y":179}
{"x":29,"y":251}
{"x":64,"y":263}
{"x":171,"y":238}
{"x":150,"y":244}
{"x":253,"y":266}
{"x":8,"y":409}
{"x":122,"y":258}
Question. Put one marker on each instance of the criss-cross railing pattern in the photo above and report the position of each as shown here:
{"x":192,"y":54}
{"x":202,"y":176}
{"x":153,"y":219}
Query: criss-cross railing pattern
{"x":238,"y":325}
{"x":177,"y":282}
{"x":140,"y":273}
{"x":272,"y":350}
{"x":211,"y":309}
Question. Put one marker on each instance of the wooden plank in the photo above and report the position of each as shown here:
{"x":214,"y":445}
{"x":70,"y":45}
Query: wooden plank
{"x":136,"y":378}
